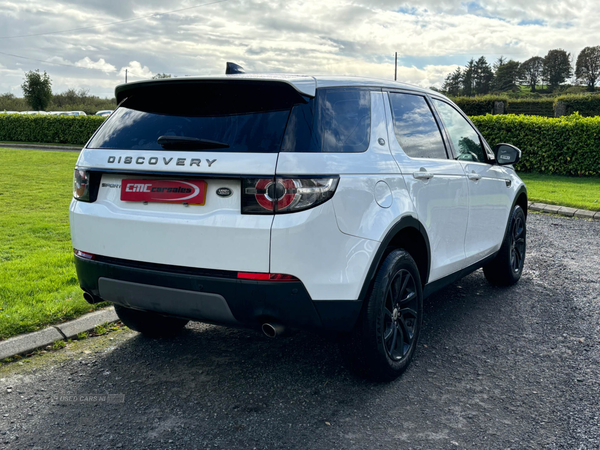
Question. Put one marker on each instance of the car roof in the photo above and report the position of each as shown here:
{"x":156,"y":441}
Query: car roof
{"x":305,"y":84}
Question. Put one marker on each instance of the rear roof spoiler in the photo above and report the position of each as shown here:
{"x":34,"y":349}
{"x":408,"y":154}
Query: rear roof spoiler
{"x":303,"y":85}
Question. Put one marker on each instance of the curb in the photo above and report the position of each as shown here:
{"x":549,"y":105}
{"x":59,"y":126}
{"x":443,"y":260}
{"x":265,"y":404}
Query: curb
{"x":30,"y":341}
{"x":65,"y":148}
{"x":564,"y":211}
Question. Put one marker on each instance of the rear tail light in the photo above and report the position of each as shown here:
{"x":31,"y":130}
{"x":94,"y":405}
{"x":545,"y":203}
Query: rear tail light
{"x":266,"y":276}
{"x":81,"y":185}
{"x":85,"y":185}
{"x":284,"y":195}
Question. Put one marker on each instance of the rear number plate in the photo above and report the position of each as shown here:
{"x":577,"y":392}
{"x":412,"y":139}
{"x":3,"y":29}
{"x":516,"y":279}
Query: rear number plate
{"x":164,"y":191}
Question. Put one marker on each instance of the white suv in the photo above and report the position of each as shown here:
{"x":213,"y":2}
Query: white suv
{"x":322,"y":203}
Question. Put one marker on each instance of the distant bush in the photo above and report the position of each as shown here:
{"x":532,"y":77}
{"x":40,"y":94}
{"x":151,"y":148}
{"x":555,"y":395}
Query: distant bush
{"x":568,"y":145}
{"x":74,"y":130}
{"x":80,"y":100}
{"x":8,"y":102}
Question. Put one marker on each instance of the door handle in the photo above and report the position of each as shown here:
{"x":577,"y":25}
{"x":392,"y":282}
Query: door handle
{"x":474,"y":176}
{"x":423,"y":175}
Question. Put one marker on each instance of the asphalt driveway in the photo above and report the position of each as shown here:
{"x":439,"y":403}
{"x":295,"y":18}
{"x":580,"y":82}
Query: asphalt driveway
{"x":497,"y":368}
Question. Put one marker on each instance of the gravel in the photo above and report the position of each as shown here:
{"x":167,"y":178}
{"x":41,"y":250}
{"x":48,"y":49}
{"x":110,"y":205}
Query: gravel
{"x":514,"y":368}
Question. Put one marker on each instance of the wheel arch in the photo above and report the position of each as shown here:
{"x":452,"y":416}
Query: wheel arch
{"x":409,"y":234}
{"x":521,"y":199}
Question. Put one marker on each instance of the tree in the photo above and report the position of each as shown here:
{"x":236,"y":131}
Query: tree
{"x":557,"y":67}
{"x":532,"y":71}
{"x":588,"y":66}
{"x":468,"y":79}
{"x":482,"y":76}
{"x":160,"y":76}
{"x":499,"y":62}
{"x":453,"y":82}
{"x":37,"y":89}
{"x":506,"y":76}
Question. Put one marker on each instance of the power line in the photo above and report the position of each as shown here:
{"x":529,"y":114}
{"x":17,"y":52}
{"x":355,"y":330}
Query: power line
{"x":111,"y":23}
{"x":43,"y":61}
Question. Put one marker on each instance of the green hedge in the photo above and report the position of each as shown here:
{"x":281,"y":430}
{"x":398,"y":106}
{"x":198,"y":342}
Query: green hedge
{"x":585,"y":105}
{"x":531,"y":107}
{"x":568,"y":145}
{"x":74,"y":130}
{"x":478,"y":106}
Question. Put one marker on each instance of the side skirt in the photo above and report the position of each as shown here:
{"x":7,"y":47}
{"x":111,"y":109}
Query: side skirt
{"x":431,"y":288}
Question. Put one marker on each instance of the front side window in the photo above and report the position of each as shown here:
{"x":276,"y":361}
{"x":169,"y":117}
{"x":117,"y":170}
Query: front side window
{"x":464,"y":138}
{"x":415,"y":127}
{"x":336,"y":120}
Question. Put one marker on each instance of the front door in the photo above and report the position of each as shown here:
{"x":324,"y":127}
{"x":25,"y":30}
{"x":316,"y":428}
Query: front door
{"x":489,"y":193}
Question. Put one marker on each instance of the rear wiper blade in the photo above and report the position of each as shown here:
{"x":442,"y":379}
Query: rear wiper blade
{"x":188,"y":143}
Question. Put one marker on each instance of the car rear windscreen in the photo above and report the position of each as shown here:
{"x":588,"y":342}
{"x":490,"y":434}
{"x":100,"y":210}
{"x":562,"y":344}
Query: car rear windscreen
{"x":234,"y":117}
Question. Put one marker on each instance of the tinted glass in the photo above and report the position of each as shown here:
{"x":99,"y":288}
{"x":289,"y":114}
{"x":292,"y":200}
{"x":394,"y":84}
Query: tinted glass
{"x":415,"y":127}
{"x":337,"y":120}
{"x":464,"y":138}
{"x":133,"y":129}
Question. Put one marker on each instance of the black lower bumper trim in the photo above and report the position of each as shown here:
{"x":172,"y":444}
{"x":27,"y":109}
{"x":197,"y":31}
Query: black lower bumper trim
{"x":251,"y":303}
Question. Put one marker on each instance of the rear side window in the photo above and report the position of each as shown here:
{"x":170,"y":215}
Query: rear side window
{"x":415,"y":127}
{"x":336,"y":120}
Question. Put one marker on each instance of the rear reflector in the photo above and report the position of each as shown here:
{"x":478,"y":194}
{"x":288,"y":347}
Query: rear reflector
{"x":83,"y":255}
{"x":266,"y":276}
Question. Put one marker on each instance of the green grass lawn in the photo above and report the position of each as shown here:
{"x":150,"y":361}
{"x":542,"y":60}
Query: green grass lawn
{"x":40,"y":143}
{"x":38,"y":284}
{"x":583,"y":193}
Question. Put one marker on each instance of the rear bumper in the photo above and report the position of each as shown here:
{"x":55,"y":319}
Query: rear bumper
{"x":212,"y":296}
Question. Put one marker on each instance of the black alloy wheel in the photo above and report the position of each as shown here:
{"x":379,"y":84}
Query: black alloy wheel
{"x":517,"y":244}
{"x":384,"y":339}
{"x":400,"y":315}
{"x":506,"y":268}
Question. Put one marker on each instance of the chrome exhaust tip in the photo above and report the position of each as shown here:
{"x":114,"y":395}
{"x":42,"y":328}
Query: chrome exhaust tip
{"x":272,"y":330}
{"x":91,"y":299}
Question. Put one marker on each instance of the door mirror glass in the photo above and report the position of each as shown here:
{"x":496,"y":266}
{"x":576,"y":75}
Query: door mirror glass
{"x":507,"y":154}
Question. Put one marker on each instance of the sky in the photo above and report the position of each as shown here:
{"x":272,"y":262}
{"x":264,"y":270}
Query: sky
{"x":191,"y":37}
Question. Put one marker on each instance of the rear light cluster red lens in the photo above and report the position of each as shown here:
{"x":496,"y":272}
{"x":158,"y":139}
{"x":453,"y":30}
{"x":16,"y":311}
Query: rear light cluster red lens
{"x":266,"y":276}
{"x":81,"y":185}
{"x":83,"y":255}
{"x":284,"y":195}
{"x":85,"y":185}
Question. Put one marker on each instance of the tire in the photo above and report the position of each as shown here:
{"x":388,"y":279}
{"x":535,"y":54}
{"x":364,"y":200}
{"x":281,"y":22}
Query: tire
{"x":506,"y":268}
{"x":150,"y":324}
{"x":392,"y":315}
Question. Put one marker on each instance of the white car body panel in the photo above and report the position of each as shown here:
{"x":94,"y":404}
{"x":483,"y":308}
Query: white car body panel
{"x":490,"y":201}
{"x":331,"y":264}
{"x":212,"y":236}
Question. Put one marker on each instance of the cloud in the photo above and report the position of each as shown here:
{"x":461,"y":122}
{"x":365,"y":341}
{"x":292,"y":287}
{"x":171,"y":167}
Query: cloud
{"x":101,"y":64}
{"x":353,"y":37}
{"x":136,"y":70}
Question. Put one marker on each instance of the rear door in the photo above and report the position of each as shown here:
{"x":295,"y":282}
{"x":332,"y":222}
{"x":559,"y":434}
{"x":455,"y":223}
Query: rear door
{"x":436,"y":183}
{"x":171,"y":166}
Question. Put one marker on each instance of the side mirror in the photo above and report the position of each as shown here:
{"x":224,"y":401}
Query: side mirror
{"x":507,"y":154}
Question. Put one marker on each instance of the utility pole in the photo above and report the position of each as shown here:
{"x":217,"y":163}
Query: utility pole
{"x":396,"y":66}
{"x":125,"y":75}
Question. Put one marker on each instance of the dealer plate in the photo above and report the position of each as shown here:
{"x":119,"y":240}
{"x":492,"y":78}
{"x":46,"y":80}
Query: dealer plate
{"x":192,"y":192}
